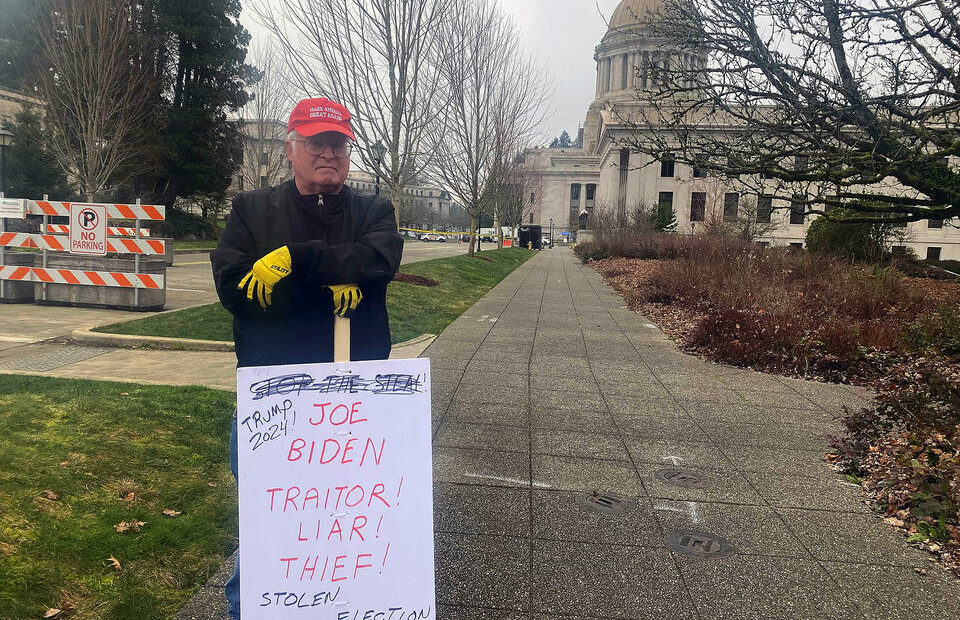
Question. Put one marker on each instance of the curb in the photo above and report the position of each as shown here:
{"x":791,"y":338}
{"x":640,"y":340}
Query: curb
{"x":126,"y":341}
{"x":55,"y":374}
{"x":414,"y":341}
{"x":154,"y":342}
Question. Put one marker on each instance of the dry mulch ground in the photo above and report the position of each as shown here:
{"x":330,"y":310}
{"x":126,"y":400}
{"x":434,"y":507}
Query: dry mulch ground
{"x":630,"y":277}
{"x":408,"y":278}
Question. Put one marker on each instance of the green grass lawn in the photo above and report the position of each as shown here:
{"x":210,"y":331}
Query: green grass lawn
{"x":93,"y":444}
{"x":195,"y":245}
{"x":413,"y":309}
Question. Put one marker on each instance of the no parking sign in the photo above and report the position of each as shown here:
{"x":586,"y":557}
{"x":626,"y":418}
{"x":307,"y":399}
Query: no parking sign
{"x":88,"y":229}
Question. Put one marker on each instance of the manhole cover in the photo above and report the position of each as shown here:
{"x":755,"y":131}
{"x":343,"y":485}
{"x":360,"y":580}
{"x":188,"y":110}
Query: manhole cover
{"x":605,"y":502}
{"x":681,"y":478}
{"x":699,"y":544}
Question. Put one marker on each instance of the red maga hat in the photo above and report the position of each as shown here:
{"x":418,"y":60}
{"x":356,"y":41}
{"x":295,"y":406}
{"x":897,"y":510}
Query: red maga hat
{"x":313,"y":116}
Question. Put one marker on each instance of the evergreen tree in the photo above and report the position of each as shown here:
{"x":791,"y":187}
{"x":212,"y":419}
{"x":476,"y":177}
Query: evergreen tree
{"x":855,"y":242}
{"x":563,"y":141}
{"x":32,"y":170}
{"x":199,"y":142}
{"x":19,"y":43}
{"x":664,"y":218}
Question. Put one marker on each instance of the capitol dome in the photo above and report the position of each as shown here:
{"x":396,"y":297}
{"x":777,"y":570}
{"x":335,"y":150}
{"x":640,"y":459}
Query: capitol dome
{"x":625,"y":15}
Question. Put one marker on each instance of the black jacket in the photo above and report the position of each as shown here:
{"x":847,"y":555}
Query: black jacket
{"x":298,"y":326}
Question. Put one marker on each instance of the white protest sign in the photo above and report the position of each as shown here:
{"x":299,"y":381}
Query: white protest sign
{"x":336,"y":491}
{"x":88,"y":229}
{"x":15,"y":208}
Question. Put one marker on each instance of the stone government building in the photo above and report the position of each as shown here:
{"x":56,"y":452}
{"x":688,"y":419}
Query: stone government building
{"x":600,"y":173}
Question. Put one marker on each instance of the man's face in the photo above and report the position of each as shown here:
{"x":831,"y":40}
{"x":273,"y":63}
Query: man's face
{"x":319,"y":163}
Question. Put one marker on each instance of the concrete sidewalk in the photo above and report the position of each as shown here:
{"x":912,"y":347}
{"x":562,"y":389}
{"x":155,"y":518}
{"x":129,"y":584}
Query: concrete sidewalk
{"x":584,"y":468}
{"x":714,"y":499}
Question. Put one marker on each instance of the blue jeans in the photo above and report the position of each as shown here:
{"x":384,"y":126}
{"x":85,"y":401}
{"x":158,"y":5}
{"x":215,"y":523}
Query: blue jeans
{"x":232,"y":589}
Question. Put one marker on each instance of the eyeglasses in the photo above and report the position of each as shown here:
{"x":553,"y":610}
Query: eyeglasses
{"x":318,"y":147}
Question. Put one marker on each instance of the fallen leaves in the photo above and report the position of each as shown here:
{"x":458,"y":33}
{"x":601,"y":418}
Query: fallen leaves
{"x":51,"y":495}
{"x":129,"y":497}
{"x":56,"y":612}
{"x":114,"y":563}
{"x":171,"y":513}
{"x":126,"y":526}
{"x":894,"y":521}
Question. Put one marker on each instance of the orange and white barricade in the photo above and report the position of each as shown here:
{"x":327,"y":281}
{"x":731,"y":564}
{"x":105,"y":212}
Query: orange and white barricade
{"x":113,"y":231}
{"x":55,"y":238}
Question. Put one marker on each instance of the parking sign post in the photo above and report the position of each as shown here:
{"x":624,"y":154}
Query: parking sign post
{"x":88,"y":229}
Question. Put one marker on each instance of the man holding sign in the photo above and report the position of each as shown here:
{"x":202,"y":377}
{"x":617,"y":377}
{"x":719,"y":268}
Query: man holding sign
{"x":294,"y":255}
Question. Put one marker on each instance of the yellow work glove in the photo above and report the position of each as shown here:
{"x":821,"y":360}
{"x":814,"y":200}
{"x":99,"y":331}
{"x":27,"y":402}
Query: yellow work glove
{"x":265,"y":274}
{"x":346,"y":297}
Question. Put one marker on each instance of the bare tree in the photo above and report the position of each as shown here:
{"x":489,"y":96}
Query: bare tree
{"x":754,"y":220}
{"x":826,"y":103}
{"x":497,"y":98}
{"x":263,"y":122}
{"x":377,"y":57}
{"x":750,"y":219}
{"x":97,"y":94}
{"x":416,"y":214}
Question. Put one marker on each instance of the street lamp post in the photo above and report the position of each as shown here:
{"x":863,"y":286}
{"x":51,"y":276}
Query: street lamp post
{"x":551,"y":233}
{"x":378,"y":151}
{"x":6,"y":139}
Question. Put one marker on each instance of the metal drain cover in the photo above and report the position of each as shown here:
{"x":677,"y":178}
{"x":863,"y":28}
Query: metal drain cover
{"x":699,"y":544}
{"x":608,"y":503}
{"x":681,"y":478}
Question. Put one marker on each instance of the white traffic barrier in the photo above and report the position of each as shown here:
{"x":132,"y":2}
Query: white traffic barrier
{"x":60,"y":244}
{"x":82,"y":277}
{"x":114,"y":211}
{"x":113,"y":231}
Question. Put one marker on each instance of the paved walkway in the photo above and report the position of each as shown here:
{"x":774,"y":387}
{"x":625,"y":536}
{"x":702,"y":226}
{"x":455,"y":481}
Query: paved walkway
{"x":714,"y":499}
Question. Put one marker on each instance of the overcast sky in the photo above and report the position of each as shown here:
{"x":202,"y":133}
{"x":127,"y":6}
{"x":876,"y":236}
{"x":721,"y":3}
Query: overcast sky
{"x":562,"y":34}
